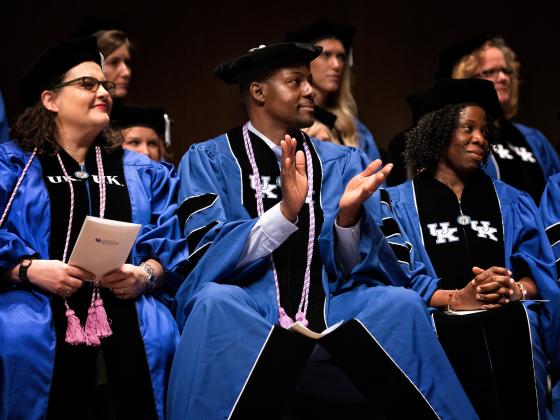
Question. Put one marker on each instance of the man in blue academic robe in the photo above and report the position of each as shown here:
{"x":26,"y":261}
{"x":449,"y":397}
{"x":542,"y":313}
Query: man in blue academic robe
{"x":279,"y":227}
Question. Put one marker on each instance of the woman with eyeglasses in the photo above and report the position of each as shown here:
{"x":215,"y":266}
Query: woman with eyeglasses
{"x":523,"y":157}
{"x":75,"y":345}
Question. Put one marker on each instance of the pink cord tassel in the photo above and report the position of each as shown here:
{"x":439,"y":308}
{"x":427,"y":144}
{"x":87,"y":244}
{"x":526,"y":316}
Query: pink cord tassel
{"x":75,"y":334}
{"x":91,"y":333}
{"x":285,"y":320}
{"x":300,"y":317}
{"x":97,"y":324}
{"x":102,"y":326}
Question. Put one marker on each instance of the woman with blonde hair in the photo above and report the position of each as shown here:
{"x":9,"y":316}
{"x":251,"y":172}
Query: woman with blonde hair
{"x":523,"y":157}
{"x":332,"y":80}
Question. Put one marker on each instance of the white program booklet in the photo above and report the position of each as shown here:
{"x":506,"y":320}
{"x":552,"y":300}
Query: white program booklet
{"x":103,"y":245}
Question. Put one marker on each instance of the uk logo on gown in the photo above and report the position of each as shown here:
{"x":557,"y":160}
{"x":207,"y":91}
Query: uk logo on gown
{"x":506,"y":152}
{"x":445,"y":233}
{"x":109,"y":179}
{"x":268,"y":187}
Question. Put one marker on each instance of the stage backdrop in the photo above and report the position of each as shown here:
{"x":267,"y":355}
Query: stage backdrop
{"x":178,"y":44}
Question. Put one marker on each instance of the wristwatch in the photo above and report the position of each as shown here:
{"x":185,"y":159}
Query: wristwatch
{"x":151,"y":279}
{"x":23,"y":267}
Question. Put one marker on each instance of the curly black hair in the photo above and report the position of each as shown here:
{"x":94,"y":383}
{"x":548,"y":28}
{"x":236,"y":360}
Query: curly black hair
{"x":432,"y":134}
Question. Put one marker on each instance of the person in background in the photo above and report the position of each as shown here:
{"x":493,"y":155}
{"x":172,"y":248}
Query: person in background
{"x":471,"y":243}
{"x":73,"y":345}
{"x":522,"y":156}
{"x":144,"y":130}
{"x":332,"y":80}
{"x":324,"y":126}
{"x":115,"y":47}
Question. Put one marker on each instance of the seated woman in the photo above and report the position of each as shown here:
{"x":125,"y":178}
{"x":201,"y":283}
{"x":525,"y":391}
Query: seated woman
{"x":116,"y":47}
{"x":471,"y":243}
{"x":522,"y":156}
{"x":324,"y":126}
{"x":332,"y":80}
{"x":60,"y":356}
{"x":143,"y":130}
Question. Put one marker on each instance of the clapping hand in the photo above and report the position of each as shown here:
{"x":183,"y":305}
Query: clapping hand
{"x":294,"y":179}
{"x":358,"y":190}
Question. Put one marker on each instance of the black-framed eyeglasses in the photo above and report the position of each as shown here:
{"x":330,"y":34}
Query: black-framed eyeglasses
{"x":91,"y":84}
{"x":492,"y":73}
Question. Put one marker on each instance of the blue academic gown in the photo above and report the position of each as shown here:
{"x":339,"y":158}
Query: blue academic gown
{"x":524,"y":239}
{"x":542,"y":149}
{"x":27,"y":331}
{"x":227,"y":314}
{"x":366,"y":142}
{"x":550,"y":216}
{"x":550,"y":213}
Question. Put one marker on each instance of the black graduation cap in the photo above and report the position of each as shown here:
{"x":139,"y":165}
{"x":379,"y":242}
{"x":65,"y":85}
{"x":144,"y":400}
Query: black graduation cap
{"x":415,"y":102}
{"x":257,"y":61}
{"x":322,"y":29}
{"x":124,"y":116}
{"x":457,"y":91}
{"x":451,"y":55}
{"x":324,"y":116}
{"x":53,"y":63}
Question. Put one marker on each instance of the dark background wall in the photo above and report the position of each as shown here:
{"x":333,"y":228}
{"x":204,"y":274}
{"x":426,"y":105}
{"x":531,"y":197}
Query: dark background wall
{"x":179,"y":43}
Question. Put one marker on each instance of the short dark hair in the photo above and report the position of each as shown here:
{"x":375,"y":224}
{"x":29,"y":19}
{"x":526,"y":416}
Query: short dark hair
{"x":426,"y":142}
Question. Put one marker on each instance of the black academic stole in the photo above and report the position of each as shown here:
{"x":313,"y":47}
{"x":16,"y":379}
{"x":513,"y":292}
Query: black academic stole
{"x":460,"y":234}
{"x":517,"y":163}
{"x":290,"y":258}
{"x":124,"y":351}
{"x":86,"y":194}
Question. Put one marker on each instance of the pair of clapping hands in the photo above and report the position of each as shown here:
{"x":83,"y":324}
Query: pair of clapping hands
{"x":294,"y":185}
